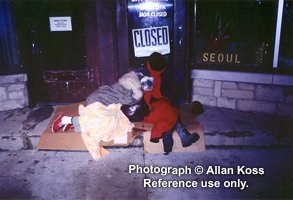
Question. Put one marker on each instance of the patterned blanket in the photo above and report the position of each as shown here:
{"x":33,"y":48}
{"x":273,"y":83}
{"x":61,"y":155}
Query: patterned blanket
{"x":99,"y":122}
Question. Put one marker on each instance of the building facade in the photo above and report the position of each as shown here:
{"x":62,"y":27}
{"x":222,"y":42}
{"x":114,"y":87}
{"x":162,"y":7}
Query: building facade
{"x":231,"y":54}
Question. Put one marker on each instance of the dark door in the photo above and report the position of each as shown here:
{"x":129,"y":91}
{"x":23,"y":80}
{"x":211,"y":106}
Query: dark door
{"x":59,"y":47}
{"x":163,"y":26}
{"x":71,"y":47}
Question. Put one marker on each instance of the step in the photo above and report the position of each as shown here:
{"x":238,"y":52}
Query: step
{"x":22,"y":128}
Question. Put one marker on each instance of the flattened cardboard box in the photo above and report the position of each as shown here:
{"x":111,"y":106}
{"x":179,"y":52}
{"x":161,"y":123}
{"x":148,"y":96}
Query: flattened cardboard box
{"x":71,"y":140}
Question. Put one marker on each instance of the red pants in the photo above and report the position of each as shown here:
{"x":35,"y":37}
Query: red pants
{"x":163,"y":116}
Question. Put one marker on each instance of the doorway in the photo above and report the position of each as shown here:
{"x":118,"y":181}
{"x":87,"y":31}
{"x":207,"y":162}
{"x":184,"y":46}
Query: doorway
{"x":162,"y":26}
{"x":55,"y":39}
{"x":70,"y":48}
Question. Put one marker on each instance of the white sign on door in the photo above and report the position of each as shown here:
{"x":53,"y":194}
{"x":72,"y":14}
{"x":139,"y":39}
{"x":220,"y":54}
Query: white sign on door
{"x":149,"y":40}
{"x":60,"y":24}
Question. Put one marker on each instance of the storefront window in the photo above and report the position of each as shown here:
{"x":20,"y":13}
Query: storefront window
{"x":238,"y":35}
{"x":286,"y":40}
{"x":8,"y":43}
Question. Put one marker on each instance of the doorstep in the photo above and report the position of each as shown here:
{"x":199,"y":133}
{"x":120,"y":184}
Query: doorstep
{"x":21,"y":128}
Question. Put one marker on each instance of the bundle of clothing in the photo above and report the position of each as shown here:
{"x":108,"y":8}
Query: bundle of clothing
{"x":102,"y":117}
{"x":164,"y":100}
{"x":126,"y":91}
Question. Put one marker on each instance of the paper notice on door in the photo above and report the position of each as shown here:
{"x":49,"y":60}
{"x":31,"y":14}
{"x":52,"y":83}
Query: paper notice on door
{"x":60,"y":23}
{"x":121,"y":140}
{"x":149,"y":40}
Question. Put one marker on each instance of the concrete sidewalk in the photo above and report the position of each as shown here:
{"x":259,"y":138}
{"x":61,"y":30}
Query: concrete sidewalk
{"x":248,"y":156}
{"x":254,"y":173}
{"x":22,"y":128}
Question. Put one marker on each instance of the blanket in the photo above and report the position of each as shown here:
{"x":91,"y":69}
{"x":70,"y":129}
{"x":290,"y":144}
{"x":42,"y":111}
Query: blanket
{"x":127,"y":91}
{"x":99,"y":122}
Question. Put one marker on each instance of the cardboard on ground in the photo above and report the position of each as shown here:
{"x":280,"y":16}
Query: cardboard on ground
{"x":71,"y":140}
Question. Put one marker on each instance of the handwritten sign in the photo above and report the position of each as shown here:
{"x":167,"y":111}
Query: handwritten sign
{"x":60,"y":23}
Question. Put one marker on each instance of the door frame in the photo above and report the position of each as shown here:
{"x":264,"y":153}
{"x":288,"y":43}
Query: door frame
{"x":183,"y":56}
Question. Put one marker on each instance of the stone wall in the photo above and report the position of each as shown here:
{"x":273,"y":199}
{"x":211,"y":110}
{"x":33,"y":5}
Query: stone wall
{"x":253,"y":97}
{"x":13,"y":91}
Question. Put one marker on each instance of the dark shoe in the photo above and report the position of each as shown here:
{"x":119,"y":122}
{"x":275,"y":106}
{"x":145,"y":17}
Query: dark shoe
{"x":156,"y":140}
{"x":194,"y":137}
{"x":168,"y":141}
{"x":187,"y":139}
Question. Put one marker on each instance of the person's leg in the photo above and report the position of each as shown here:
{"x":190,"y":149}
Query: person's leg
{"x":76,"y":124}
{"x":168,"y":141}
{"x":186,"y":137}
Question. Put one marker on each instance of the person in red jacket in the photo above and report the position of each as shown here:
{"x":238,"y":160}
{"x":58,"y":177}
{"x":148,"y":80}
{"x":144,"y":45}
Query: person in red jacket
{"x":164,"y":100}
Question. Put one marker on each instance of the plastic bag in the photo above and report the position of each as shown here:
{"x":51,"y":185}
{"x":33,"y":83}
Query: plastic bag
{"x":136,"y":112}
{"x":147,"y":82}
{"x":197,"y":108}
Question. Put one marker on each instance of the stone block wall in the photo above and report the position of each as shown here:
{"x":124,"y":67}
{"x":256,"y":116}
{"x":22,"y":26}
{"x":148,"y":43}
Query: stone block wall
{"x":13,"y":91}
{"x":252,"y":97}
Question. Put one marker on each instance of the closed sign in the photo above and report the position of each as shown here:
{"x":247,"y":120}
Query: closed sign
{"x":149,"y":40}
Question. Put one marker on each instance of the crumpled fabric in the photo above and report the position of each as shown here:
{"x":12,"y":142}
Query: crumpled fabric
{"x":99,"y":122}
{"x":156,"y":93}
{"x":111,"y":94}
{"x":163,"y":116}
{"x":126,"y":91}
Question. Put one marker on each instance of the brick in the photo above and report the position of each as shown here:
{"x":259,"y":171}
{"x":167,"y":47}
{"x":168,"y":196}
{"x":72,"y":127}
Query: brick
{"x":246,"y":86}
{"x":13,"y":78}
{"x":285,"y":109}
{"x":22,"y":102}
{"x":226,"y":103}
{"x":256,"y":106}
{"x":203,"y":91}
{"x":229,"y":85}
{"x":269,"y":93}
{"x":16,"y":95}
{"x":16,"y":87}
{"x":203,"y":83}
{"x":240,"y":94}
{"x":3,"y":94}
{"x":217,"y":88}
{"x":10,"y":104}
{"x":205,"y":100}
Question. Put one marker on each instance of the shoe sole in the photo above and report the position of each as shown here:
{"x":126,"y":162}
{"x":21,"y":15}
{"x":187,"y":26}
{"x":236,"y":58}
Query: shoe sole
{"x":66,"y":127}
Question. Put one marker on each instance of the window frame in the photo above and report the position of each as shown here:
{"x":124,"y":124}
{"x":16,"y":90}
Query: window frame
{"x":266,"y":69}
{"x":13,"y":68}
